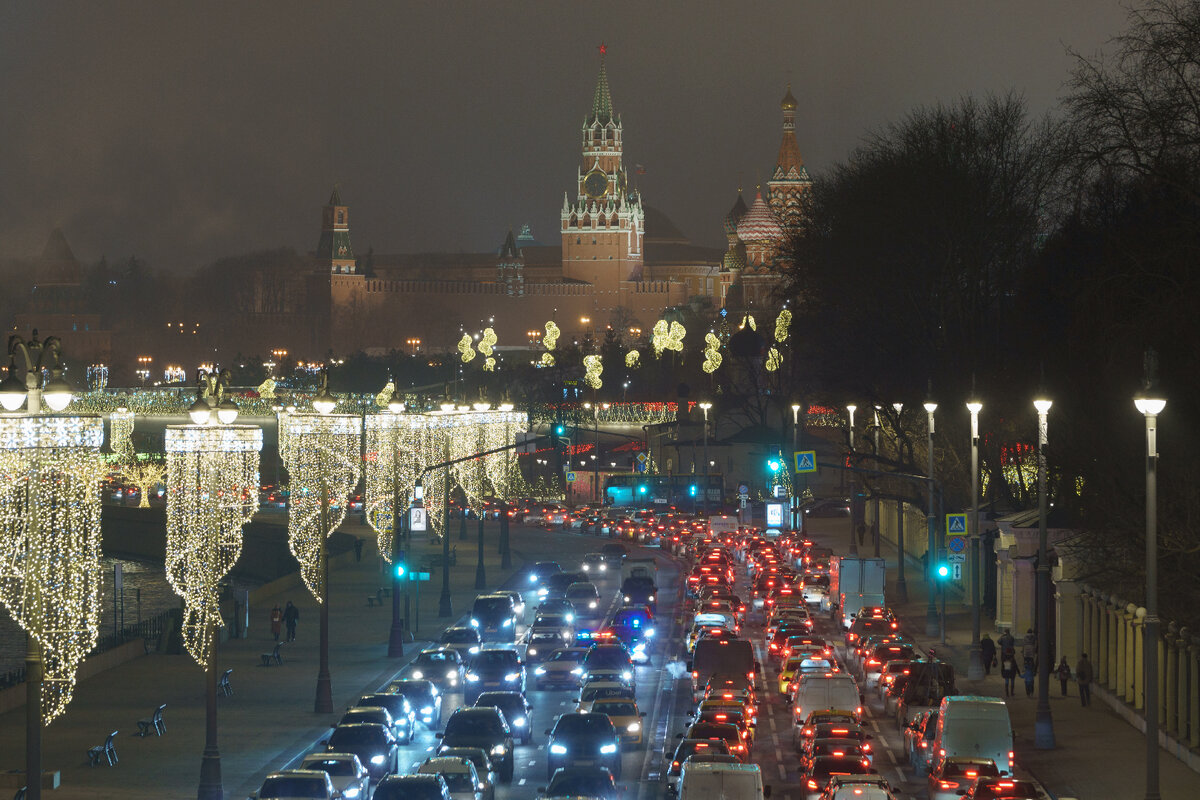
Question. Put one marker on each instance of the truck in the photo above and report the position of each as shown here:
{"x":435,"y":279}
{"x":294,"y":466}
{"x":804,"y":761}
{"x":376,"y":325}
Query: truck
{"x":716,"y":656}
{"x":857,"y":583}
{"x":639,"y":568}
{"x":723,"y":525}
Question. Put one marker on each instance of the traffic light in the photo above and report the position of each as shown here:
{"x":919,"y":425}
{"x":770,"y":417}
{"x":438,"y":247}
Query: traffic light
{"x":774,"y":464}
{"x":400,"y":567}
{"x":642,"y":488}
{"x":943,"y":571}
{"x":560,"y":430}
{"x":692,"y":490}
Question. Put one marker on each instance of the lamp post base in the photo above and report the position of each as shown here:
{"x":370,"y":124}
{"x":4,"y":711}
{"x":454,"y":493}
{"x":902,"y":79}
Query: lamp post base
{"x":210,"y":777}
{"x":396,"y":639}
{"x":975,"y":663}
{"x":324,"y":702}
{"x":1043,"y":730}
{"x":902,"y":591}
{"x":445,"y":607}
{"x":933,"y":623}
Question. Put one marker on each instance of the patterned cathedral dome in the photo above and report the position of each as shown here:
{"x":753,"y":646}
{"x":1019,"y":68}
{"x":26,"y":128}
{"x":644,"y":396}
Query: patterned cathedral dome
{"x":759,"y":223}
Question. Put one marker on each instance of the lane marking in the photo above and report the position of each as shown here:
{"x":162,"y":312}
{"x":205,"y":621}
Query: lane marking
{"x":521,"y":782}
{"x":782,"y":773}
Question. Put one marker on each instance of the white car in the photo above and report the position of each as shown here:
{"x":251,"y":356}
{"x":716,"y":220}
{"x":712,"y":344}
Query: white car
{"x":594,"y":563}
{"x":296,"y":784}
{"x":564,"y":667}
{"x":458,"y":773}
{"x":349,"y":777}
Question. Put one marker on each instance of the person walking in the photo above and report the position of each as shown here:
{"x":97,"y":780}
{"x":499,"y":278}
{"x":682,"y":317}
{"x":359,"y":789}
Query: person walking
{"x":1008,"y":671}
{"x":987,"y":653}
{"x":1029,"y":673}
{"x":1007,"y":643}
{"x":291,"y":615}
{"x":1029,"y":647}
{"x":1064,"y":675}
{"x":1083,"y":677}
{"x":276,"y":621}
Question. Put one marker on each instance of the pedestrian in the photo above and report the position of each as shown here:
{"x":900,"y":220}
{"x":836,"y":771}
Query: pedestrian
{"x":358,"y":547}
{"x":862,"y":534}
{"x":1083,"y":677}
{"x":1064,"y":675}
{"x":1008,"y":671}
{"x":1007,"y":643}
{"x":987,"y":653}
{"x":276,"y":621}
{"x":1029,"y":648}
{"x":1029,"y":673}
{"x":291,"y":615}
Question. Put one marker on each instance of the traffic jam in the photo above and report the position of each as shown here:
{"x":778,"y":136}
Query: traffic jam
{"x":683,"y":657}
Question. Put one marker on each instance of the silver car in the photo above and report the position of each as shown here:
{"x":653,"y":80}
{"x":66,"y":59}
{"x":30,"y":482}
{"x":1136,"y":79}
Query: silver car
{"x":461,"y":778}
{"x":349,"y":777}
{"x":296,"y":784}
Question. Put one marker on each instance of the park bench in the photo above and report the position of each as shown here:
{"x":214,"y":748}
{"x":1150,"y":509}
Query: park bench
{"x":107,"y":751}
{"x":223,"y":684}
{"x":375,"y":599}
{"x":20,"y":795}
{"x":272,"y":657}
{"x":154,"y":723}
{"x":435,"y":560}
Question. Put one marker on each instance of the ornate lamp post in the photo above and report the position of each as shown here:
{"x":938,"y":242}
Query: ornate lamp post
{"x":796,"y":446}
{"x":1150,"y":403}
{"x":50,"y":472}
{"x":932,"y":621}
{"x":1043,"y":723}
{"x":853,"y":537}
{"x":212,"y":491}
{"x":705,"y":406}
{"x":901,"y":583}
{"x":323,"y":457}
{"x":974,"y":654}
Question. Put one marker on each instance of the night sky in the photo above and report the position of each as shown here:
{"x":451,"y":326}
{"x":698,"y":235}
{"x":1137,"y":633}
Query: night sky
{"x":186,"y":132}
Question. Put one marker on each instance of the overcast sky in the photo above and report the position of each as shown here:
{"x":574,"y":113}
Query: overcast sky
{"x":182,"y":132}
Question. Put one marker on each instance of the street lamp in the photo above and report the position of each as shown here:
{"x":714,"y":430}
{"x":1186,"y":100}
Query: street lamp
{"x":931,"y":553}
{"x":1150,"y":403}
{"x":875,"y":494}
{"x":795,"y":447}
{"x":212,"y":475}
{"x":1043,"y":731}
{"x":705,"y":406}
{"x":853,"y":533}
{"x":901,"y":583}
{"x":49,"y":537}
{"x":974,"y":654}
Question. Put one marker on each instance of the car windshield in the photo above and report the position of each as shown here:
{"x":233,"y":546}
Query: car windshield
{"x":409,"y":790}
{"x":458,"y":781}
{"x":569,"y":783}
{"x":293,"y":787}
{"x":465,"y":724}
{"x":574,"y":656}
{"x":550,"y":621}
{"x":579,"y":592}
{"x":460,"y":636}
{"x":607,"y":657}
{"x":617,"y":709}
{"x":495,"y":659}
{"x":439,"y":659}
{"x":583,"y":725}
{"x":334,"y":766}
{"x":413,"y":691}
{"x":493,"y":605}
{"x":356,"y":736}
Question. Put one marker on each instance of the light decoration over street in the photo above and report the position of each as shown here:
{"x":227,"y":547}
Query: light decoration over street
{"x":632,"y":359}
{"x":50,"y":473}
{"x":395,"y":445}
{"x":782,"y":323}
{"x":212,"y":480}
{"x":120,"y":435}
{"x":550,"y":340}
{"x":593,"y":367}
{"x":712,"y":353}
{"x":486,"y":345}
{"x":465,"y":350}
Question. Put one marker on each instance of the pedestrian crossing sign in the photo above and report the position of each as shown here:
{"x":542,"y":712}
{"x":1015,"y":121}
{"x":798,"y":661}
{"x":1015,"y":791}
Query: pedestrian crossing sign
{"x":570,"y":477}
{"x":956,"y":523}
{"x":806,"y":461}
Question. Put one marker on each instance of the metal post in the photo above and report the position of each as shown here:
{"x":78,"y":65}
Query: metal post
{"x":974,"y":653}
{"x":901,"y":584}
{"x":399,"y":529}
{"x":33,"y":718}
{"x":1043,"y":730}
{"x":795,"y":475}
{"x":1150,"y":409}
{"x":931,"y":615}
{"x":505,"y":550}
{"x":324,"y":700}
{"x":480,"y":569}
{"x":707,"y":470}
{"x":875,"y":495}
{"x":596,"y":459}
{"x":445,"y":607}
{"x":210,"y":763}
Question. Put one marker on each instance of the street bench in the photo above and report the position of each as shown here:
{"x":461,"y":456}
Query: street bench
{"x":374,"y":600}
{"x":107,"y":751}
{"x":435,"y":560}
{"x":154,"y":723}
{"x":273,"y":657}
{"x":223,"y":685}
{"x":20,"y":795}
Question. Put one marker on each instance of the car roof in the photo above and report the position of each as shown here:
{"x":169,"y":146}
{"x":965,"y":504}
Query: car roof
{"x":445,"y":763}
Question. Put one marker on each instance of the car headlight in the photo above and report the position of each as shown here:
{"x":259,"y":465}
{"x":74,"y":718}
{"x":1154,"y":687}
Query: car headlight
{"x":592,"y":604}
{"x":377,"y":760}
{"x":472,"y":677}
{"x":540,"y":671}
{"x":603,"y":567}
{"x":452,"y":676}
{"x":627,"y":598}
{"x":542,"y":591}
{"x":512,"y":676}
{"x":608,"y":749}
{"x":533,"y":578}
{"x":519,"y":722}
{"x":558,"y":749}
{"x":651,"y":598}
{"x":570,"y":617}
{"x":626,"y":675}
{"x":499,"y":750}
{"x":350,"y":792}
{"x":531,"y":651}
{"x":634,"y":727}
{"x":417,"y":674}
{"x":508,"y":622}
{"x":586,"y":568}
{"x":473,"y":650}
{"x":474,"y":622}
{"x":426,"y":710}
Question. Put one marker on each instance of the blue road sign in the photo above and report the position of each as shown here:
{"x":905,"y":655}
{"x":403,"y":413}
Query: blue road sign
{"x":956,"y":523}
{"x":806,"y":461}
{"x":956,"y":544}
{"x":570,"y":477}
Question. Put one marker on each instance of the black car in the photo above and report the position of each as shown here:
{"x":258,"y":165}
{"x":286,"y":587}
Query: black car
{"x":374,"y":744}
{"x":608,"y":662}
{"x":561,"y":624}
{"x":441,"y":665}
{"x":814,"y":778}
{"x":639,"y":590}
{"x":412,"y":787}
{"x":556,"y":585}
{"x":494,"y":616}
{"x":517,"y":711}
{"x":485,"y":728}
{"x":543,"y":570}
{"x":591,"y":782}
{"x":555,"y":605}
{"x":404,"y":717}
{"x":583,"y":740}
{"x":494,"y":668}
{"x":615,"y":553}
{"x":424,"y":698}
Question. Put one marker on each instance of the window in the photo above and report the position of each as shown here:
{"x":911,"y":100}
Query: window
{"x":341,"y":217}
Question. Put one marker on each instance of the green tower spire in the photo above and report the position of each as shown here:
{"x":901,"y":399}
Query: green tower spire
{"x":602,"y":102}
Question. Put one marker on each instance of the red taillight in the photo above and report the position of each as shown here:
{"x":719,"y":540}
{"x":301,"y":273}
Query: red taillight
{"x":695,"y":674}
{"x":750,"y":675}
{"x":812,"y":784}
{"x":866,"y":747}
{"x":947,"y":785}
{"x":1011,"y":760}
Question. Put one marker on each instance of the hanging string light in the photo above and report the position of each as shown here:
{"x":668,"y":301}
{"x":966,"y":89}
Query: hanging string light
{"x":322,"y":453}
{"x":782,"y":323}
{"x":212,"y":480}
{"x":50,"y":471}
{"x":593,"y":366}
{"x":712,"y":353}
{"x":120,"y":435}
{"x":464,"y":348}
{"x":632,"y":359}
{"x":394,"y":459}
{"x":552,"y":334}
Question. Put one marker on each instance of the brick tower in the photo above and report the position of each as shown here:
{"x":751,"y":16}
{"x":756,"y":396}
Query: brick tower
{"x":789,"y":182}
{"x":334,"y":250}
{"x":602,"y":228}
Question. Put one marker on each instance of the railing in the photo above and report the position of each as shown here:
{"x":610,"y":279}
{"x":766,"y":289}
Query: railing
{"x":151,"y":628}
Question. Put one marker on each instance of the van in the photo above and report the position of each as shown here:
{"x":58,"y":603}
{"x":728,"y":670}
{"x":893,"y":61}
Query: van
{"x":974,"y":727}
{"x":705,"y":779}
{"x":721,"y":655}
{"x":818,"y":692}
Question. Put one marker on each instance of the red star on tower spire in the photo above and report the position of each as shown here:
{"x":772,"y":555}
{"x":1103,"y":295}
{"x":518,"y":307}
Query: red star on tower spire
{"x":603,"y":48}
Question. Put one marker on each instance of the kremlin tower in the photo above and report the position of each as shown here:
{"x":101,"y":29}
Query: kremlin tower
{"x":789,"y":182}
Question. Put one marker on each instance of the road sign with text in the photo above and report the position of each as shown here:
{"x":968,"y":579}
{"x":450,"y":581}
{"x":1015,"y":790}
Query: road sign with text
{"x":956,"y":558}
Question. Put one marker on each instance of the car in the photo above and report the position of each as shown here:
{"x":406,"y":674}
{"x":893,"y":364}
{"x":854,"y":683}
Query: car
{"x":728,"y":732}
{"x":950,"y":777}
{"x":494,"y":617}
{"x":615,"y":553}
{"x":374,"y":744}
{"x":542,"y":570}
{"x":517,"y":711}
{"x":556,"y":585}
{"x":540,"y":645}
{"x":583,"y":739}
{"x":853,"y":735}
{"x":463,"y":638}
{"x":440,"y":665}
{"x":459,"y":774}
{"x":483,"y":766}
{"x":518,"y":601}
{"x":815,"y":748}
{"x":689,"y":748}
{"x":424,"y":698}
{"x":563,"y":667}
{"x":594,"y":564}
{"x":596,"y":783}
{"x":597,"y":690}
{"x":555,"y":606}
{"x":821,"y":768}
{"x":485,"y":728}
{"x":858,"y":787}
{"x":608,"y":662}
{"x":728,"y":712}
{"x":380,"y":715}
{"x":404,"y":716}
{"x":350,"y":778}
{"x":296,"y":784}
{"x":585,"y":598}
{"x":916,"y":746}
{"x":494,"y":668}
{"x":412,"y":787}
{"x":625,"y":716}
{"x":562,"y":625}
{"x":1002,"y":788}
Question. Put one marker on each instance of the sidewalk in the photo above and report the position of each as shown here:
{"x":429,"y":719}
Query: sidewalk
{"x":269,"y":719}
{"x":1098,"y":754}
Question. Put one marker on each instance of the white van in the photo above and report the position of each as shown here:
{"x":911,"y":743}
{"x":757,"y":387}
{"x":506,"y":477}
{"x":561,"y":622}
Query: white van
{"x":705,"y":780}
{"x":821,"y":691}
{"x":974,"y":727}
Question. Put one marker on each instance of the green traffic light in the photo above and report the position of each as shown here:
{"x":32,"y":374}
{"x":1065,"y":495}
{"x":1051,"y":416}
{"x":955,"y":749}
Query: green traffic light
{"x":774,"y":465}
{"x":943,"y":571}
{"x":560,"y":430}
